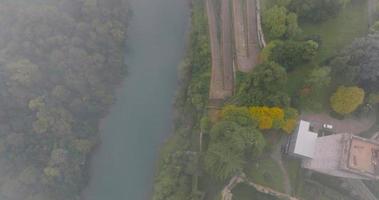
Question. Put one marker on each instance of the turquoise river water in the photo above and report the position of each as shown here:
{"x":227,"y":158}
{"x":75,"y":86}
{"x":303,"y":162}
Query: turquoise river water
{"x":123,"y":167}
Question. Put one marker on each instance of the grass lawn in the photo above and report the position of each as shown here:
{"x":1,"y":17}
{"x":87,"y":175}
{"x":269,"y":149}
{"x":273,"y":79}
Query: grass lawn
{"x":211,"y":186}
{"x":266,"y":172}
{"x":373,"y":186}
{"x":296,"y":79}
{"x":293,"y":168}
{"x":338,"y":32}
{"x":246,"y":192}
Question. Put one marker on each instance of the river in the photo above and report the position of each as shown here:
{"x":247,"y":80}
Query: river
{"x":123,"y":167}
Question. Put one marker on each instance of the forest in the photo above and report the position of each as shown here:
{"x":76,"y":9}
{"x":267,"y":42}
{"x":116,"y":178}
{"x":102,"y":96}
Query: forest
{"x":60,"y":62}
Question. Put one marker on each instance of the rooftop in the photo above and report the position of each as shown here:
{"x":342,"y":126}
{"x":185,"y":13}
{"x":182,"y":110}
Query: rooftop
{"x":342,"y":155}
{"x":363,"y":156}
{"x":305,"y":141}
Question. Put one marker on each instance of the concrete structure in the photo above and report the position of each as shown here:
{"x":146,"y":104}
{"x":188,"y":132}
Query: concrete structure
{"x":303,"y":143}
{"x":342,"y":155}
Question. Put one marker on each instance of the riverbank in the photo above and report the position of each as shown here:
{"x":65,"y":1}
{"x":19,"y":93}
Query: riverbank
{"x":176,"y":174}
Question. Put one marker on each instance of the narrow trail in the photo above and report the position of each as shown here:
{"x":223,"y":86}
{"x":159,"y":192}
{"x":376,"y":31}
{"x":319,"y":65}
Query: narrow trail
{"x":227,"y":194}
{"x":360,"y":189}
{"x":277,"y":157}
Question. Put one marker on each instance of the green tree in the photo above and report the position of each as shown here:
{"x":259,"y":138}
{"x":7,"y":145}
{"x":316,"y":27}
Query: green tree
{"x":293,"y":28}
{"x":316,"y":10}
{"x":280,"y":23}
{"x":222,"y":162}
{"x":239,"y":115}
{"x":310,"y":48}
{"x":347,"y":99}
{"x":264,"y":86}
{"x":229,"y":145}
{"x":61,"y":93}
{"x":375,"y":27}
{"x":51,"y":172}
{"x":23,"y":72}
{"x":253,"y":141}
{"x":36,"y":104}
{"x":319,"y":78}
{"x":223,"y":130}
{"x":291,"y":54}
{"x":83,"y":145}
{"x":274,"y":21}
{"x":56,"y":120}
{"x":316,"y":83}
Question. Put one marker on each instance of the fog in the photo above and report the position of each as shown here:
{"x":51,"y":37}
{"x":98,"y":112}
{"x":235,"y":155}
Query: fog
{"x":87,"y":98}
{"x":59,"y":64}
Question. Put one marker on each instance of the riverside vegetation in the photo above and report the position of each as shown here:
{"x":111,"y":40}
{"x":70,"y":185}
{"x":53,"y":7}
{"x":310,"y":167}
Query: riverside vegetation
{"x":298,"y":73}
{"x":60,"y":61}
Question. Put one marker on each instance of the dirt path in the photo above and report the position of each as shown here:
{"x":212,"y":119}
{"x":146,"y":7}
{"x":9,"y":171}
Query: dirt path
{"x":226,"y":193}
{"x":216,"y":85}
{"x":277,"y":157}
{"x":360,"y":189}
{"x":240,"y":37}
{"x":226,"y":44}
{"x":252,"y":30}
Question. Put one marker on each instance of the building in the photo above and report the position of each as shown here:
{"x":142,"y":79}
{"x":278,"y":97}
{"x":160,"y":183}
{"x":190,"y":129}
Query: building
{"x":341,"y":155}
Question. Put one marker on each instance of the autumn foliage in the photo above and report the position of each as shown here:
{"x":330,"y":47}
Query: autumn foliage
{"x":267,"y":118}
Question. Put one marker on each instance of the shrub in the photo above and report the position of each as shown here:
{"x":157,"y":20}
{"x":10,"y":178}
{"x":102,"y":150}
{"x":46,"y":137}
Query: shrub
{"x":347,"y":99}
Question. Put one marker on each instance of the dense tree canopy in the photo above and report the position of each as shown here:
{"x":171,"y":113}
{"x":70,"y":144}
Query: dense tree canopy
{"x":280,"y":23}
{"x":60,"y":61}
{"x":264,"y":86}
{"x":291,"y":54}
{"x":316,"y":10}
{"x":359,"y":63}
{"x":239,"y":115}
{"x":229,"y":146}
{"x":232,"y":139}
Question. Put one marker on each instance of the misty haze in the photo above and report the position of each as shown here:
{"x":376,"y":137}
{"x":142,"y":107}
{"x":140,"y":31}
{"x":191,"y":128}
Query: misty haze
{"x":189,"y":99}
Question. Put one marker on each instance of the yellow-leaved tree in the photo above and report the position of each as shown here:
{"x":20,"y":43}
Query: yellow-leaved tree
{"x":347,"y":99}
{"x":267,"y":117}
